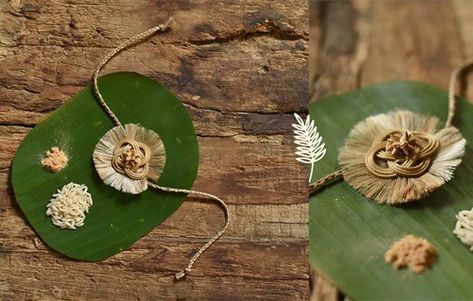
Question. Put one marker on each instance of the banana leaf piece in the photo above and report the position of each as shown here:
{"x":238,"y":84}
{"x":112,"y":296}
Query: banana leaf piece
{"x":116,"y":220}
{"x":349,"y":234}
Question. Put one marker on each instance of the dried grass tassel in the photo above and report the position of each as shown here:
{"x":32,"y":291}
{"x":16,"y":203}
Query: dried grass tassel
{"x":406,"y":175}
{"x":126,"y":157}
{"x":383,"y":174}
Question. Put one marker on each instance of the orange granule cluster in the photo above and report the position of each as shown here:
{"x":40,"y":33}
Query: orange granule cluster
{"x":414,"y":252}
{"x":55,"y":160}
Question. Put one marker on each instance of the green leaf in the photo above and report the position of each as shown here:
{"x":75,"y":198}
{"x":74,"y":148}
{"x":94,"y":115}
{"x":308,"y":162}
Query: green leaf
{"x":349,"y":234}
{"x":116,"y":220}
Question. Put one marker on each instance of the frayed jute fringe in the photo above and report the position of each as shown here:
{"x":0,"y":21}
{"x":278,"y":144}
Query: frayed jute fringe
{"x":394,"y":184}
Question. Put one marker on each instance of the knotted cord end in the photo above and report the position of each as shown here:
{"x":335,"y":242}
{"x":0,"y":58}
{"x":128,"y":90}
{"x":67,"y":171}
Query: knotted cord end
{"x":171,"y":22}
{"x":180,"y":275}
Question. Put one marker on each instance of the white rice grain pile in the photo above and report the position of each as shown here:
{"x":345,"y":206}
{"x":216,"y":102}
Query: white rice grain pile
{"x":464,"y":227}
{"x":69,"y":205}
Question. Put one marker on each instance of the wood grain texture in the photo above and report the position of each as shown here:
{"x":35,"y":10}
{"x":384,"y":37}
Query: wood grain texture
{"x":361,"y":42}
{"x":240,"y":85}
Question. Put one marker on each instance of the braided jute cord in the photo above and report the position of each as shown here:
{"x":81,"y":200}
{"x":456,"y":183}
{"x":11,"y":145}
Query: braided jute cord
{"x":338,"y":174}
{"x":130,"y":42}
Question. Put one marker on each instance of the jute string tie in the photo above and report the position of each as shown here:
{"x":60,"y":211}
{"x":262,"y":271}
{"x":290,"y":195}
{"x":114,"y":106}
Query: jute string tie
{"x":131,"y":157}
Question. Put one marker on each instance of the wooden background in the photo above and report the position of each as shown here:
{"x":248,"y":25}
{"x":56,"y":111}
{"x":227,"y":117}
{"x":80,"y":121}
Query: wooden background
{"x":240,"y":85}
{"x":357,"y":43}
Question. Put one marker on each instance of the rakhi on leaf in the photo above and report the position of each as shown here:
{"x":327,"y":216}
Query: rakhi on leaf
{"x":395,"y":146}
{"x":105,"y":167}
{"x":399,"y":156}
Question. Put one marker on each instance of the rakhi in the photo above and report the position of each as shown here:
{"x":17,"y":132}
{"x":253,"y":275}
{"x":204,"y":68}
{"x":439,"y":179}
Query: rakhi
{"x":400,"y":156}
{"x":131,"y":158}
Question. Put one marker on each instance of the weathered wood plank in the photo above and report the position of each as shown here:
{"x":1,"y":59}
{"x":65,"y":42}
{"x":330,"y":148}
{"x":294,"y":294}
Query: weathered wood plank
{"x":106,"y":23}
{"x":31,"y":85}
{"x":240,"y":83}
{"x":337,"y":62}
{"x":464,"y":12}
{"x":189,"y":60}
{"x":407,"y":44}
{"x":194,"y":219}
{"x":67,"y":280}
{"x":241,"y":162}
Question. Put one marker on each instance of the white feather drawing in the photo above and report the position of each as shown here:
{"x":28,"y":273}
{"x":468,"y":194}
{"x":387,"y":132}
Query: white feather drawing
{"x":310,"y":148}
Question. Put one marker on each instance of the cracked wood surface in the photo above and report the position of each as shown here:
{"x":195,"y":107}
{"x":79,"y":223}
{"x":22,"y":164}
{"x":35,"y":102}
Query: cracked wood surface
{"x":361,"y":42}
{"x":240,"y":83}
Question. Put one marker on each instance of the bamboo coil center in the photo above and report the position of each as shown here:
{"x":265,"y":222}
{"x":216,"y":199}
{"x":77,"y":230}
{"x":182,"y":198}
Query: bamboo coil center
{"x":402,"y":153}
{"x":131,"y":158}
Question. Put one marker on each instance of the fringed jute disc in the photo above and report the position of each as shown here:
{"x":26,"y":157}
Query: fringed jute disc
{"x":400,"y":156}
{"x":126,"y":157}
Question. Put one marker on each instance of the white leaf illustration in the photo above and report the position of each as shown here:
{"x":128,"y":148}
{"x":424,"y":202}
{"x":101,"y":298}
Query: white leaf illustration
{"x":310,"y":148}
